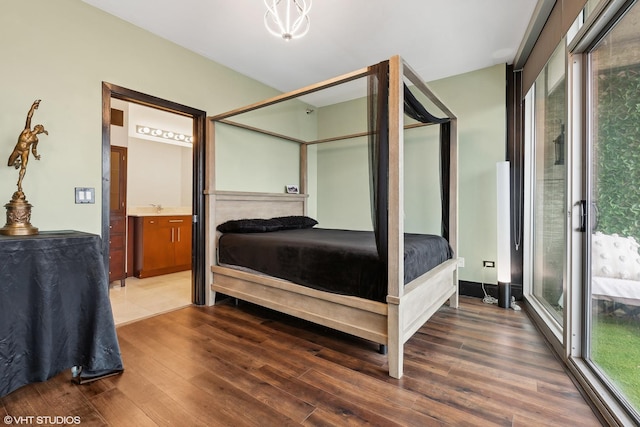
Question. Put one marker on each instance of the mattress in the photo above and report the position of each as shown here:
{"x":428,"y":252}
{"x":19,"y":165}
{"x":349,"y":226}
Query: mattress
{"x":339,"y":261}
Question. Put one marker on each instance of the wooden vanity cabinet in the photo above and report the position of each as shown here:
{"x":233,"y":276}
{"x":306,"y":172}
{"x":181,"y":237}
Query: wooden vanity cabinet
{"x":162,"y":245}
{"x":117,"y":255}
{"x":117,"y":215}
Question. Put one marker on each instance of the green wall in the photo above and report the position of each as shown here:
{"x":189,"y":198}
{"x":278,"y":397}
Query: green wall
{"x":61,"y":51}
{"x":478,"y":100}
{"x":343,"y":167}
{"x":250,"y":161}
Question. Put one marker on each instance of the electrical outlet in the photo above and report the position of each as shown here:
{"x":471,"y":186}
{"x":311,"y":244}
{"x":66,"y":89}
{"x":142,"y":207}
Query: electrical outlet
{"x":490,"y":264}
{"x":460,"y":262}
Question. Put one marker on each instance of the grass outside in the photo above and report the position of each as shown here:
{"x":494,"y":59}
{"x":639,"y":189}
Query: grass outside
{"x":616,"y":349}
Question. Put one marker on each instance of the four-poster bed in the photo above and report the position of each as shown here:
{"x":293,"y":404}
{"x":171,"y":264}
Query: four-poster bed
{"x":408,"y":302}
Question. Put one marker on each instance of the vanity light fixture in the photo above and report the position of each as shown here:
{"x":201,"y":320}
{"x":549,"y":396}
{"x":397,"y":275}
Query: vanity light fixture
{"x":166,"y":134}
{"x":288,"y":19}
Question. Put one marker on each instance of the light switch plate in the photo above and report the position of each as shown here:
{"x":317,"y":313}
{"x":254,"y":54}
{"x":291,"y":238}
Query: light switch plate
{"x":85,"y":195}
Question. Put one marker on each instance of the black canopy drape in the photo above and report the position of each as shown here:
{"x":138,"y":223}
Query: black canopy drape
{"x":414,"y":109}
{"x":378,"y":122}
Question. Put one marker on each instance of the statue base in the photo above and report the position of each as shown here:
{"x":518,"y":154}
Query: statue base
{"x":18,"y":217}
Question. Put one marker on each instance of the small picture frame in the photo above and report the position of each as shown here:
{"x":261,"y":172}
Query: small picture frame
{"x":291,"y":189}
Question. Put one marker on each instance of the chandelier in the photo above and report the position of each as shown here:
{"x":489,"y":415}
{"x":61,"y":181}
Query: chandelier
{"x":288,"y":19}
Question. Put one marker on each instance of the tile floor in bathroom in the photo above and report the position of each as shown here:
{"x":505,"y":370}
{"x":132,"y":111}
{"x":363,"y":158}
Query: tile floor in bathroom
{"x":142,"y":298}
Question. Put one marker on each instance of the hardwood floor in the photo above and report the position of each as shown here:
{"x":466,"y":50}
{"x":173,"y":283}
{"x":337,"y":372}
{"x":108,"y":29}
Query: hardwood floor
{"x":236,"y":366}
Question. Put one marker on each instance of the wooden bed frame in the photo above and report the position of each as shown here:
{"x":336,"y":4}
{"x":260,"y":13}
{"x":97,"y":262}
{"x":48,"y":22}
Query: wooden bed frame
{"x":408,"y":306}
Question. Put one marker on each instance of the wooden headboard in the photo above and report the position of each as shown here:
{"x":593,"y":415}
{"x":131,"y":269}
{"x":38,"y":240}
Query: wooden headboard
{"x":227,"y":205}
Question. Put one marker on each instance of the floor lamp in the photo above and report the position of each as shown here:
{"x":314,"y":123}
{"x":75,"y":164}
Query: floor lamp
{"x":504,"y":235}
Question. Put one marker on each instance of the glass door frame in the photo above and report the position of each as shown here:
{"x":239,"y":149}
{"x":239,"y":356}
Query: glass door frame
{"x":578,"y":296}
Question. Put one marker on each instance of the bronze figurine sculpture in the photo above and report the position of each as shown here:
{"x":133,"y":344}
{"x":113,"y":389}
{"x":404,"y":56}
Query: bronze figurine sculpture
{"x":28,"y":140}
{"x":18,"y":209}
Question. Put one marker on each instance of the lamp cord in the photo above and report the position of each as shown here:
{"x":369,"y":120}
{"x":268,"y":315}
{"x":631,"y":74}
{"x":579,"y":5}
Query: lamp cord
{"x":488,"y":299}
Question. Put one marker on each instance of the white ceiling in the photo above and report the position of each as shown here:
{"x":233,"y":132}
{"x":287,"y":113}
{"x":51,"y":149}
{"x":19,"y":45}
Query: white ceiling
{"x":438,"y":38}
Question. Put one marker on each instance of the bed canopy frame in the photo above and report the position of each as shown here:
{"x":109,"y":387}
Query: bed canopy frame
{"x":408,"y":306}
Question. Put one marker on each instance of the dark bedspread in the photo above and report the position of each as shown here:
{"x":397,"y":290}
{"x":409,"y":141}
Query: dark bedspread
{"x":339,"y":261}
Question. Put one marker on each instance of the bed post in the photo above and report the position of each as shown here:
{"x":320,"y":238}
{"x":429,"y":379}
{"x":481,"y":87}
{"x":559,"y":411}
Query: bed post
{"x":453,"y":203}
{"x":395,"y":264}
{"x":304,"y":173}
{"x":210,"y":200}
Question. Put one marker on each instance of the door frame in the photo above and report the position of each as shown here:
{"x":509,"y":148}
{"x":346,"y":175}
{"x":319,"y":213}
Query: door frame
{"x":198,"y":268}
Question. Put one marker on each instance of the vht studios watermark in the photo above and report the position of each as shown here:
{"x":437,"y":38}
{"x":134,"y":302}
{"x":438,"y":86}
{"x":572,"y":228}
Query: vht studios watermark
{"x":41,"y":420}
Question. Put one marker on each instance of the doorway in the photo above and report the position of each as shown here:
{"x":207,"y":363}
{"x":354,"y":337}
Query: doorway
{"x":112,"y":92}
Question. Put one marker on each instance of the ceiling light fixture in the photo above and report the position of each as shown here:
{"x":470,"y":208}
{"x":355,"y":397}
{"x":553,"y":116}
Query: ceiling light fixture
{"x":288,"y":19}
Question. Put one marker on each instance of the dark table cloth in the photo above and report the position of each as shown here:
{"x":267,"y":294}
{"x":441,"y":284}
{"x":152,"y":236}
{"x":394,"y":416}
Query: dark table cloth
{"x":55,"y":312}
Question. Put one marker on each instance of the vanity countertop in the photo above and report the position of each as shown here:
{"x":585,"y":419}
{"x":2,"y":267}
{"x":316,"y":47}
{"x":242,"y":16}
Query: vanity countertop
{"x":152,"y":211}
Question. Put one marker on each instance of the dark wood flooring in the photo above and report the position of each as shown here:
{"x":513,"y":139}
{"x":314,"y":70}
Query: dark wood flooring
{"x":235,"y":366}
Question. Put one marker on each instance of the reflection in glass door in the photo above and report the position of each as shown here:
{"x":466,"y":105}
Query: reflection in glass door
{"x":614,"y":200}
{"x":549,"y":192}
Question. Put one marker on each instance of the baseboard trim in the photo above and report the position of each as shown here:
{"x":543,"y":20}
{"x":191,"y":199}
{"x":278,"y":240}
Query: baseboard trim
{"x":474,"y":289}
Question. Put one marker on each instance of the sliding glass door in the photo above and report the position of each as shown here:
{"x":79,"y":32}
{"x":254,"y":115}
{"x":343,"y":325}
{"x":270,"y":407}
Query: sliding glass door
{"x":612,"y":336}
{"x":582,"y":242}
